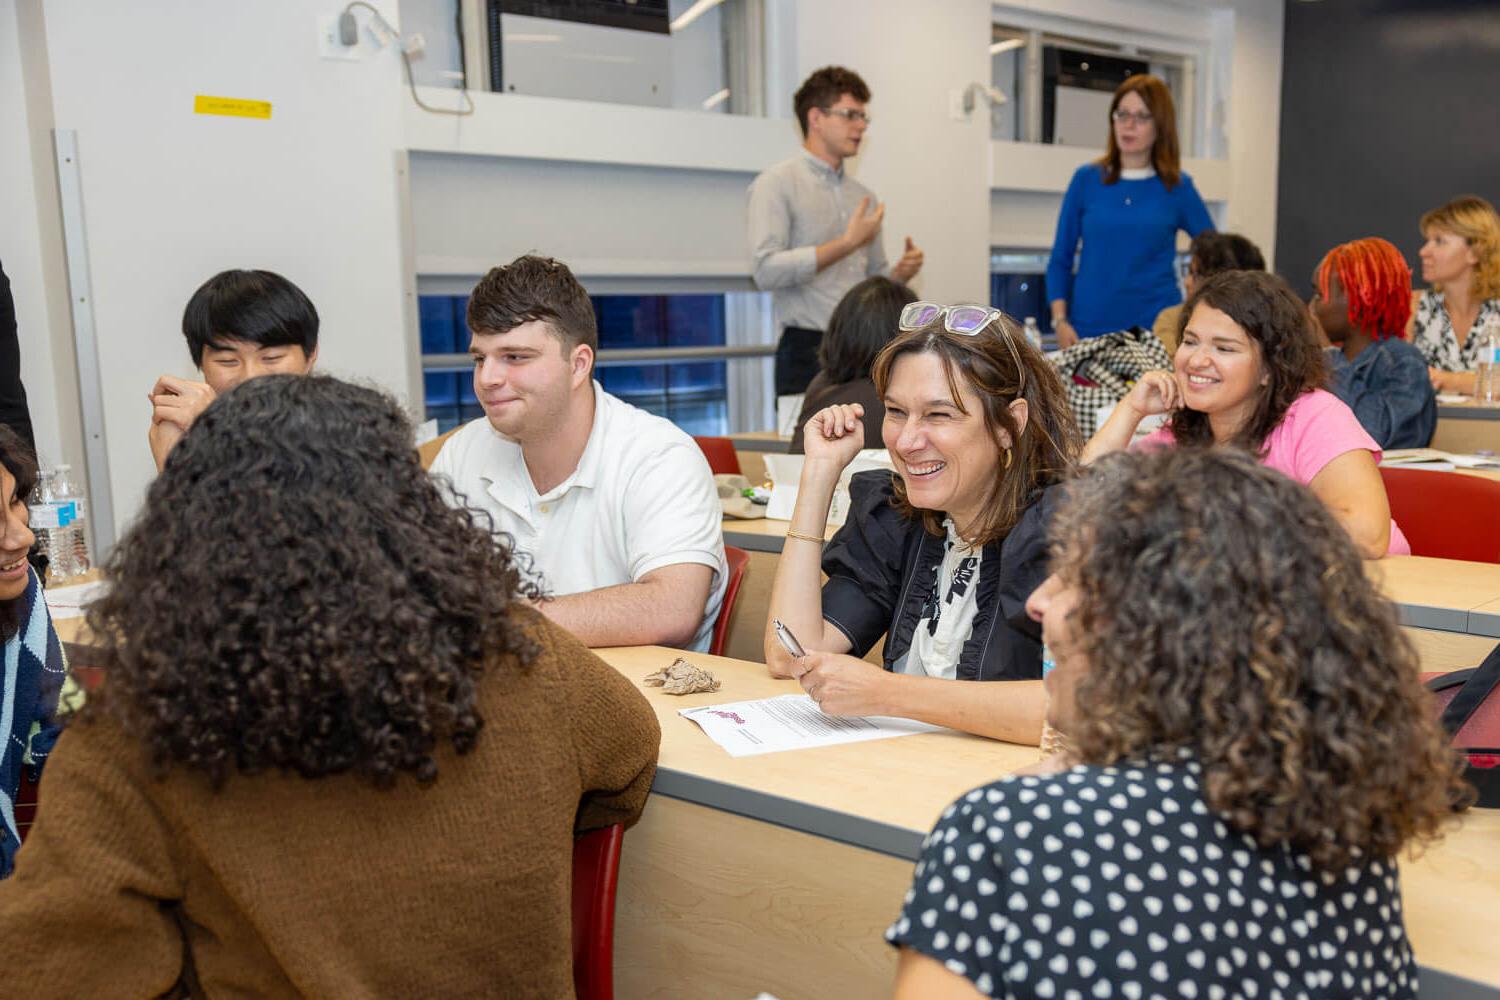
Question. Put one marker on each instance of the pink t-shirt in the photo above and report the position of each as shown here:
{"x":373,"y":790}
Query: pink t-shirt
{"x":1318,"y":427}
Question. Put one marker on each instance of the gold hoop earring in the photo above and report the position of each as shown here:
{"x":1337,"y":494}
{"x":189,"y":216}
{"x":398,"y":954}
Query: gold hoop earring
{"x":1007,"y":458}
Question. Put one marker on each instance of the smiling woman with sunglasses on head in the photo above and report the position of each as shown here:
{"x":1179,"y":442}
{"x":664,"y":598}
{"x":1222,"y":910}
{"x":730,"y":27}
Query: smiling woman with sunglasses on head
{"x":940,"y":557}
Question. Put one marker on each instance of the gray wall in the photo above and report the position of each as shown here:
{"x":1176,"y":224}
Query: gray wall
{"x":1388,"y":109}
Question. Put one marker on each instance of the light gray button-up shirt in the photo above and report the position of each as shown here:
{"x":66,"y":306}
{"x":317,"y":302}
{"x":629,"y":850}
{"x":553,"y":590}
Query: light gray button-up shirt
{"x":795,"y":206}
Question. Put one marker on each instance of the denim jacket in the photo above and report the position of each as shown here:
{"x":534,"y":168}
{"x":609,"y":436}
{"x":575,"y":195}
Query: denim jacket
{"x":1388,"y":389}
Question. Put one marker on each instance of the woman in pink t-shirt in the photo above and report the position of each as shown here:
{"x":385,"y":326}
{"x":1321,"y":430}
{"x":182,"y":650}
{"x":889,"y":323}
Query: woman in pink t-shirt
{"x":1249,"y":372}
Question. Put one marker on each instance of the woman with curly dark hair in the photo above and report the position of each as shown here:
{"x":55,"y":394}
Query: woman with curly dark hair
{"x":1254,"y":748}
{"x":34,"y":672}
{"x":1249,"y":372}
{"x":336,"y":753}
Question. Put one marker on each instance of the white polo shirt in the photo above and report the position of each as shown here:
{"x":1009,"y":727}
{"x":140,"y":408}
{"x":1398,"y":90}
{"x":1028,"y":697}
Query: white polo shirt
{"x":641,"y":498}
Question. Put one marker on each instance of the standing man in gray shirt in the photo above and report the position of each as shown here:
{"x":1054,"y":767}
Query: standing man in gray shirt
{"x":814,"y":231}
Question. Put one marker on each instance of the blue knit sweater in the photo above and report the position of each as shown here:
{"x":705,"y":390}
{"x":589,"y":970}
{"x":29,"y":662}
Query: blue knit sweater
{"x":1129,"y":233}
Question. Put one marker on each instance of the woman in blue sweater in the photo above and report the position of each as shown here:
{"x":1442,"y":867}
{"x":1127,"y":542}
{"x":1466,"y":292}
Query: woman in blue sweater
{"x":1127,"y":208}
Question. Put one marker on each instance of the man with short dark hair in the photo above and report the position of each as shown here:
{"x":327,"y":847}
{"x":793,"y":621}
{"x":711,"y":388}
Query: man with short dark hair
{"x":238,"y":325}
{"x":615,"y":507}
{"x":814,"y":231}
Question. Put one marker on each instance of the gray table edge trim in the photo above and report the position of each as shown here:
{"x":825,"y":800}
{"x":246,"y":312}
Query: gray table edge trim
{"x":820,"y":821}
{"x":906,"y":844}
{"x":772,"y":445}
{"x":1468,"y":412}
{"x":1429,"y":617}
{"x":751,"y":542}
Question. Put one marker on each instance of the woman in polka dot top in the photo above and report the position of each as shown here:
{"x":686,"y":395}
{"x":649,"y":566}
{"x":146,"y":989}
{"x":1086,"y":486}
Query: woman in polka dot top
{"x":1253,"y":749}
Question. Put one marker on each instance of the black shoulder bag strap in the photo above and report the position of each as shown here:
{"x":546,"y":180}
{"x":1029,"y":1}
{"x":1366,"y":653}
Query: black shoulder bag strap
{"x":1478,"y":684}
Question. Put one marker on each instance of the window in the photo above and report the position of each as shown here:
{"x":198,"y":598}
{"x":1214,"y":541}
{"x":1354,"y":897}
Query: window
{"x":1018,"y":286}
{"x":1059,"y":86}
{"x":701,"y":55}
{"x":692,"y":394}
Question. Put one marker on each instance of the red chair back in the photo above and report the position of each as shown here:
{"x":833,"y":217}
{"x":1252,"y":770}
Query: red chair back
{"x":738,"y":560}
{"x":720,"y":454}
{"x":1446,"y":515}
{"x":596,"y":875}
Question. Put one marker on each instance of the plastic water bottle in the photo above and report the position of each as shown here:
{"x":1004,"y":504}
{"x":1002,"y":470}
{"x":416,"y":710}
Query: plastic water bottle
{"x":78,"y":539}
{"x":1487,"y":358}
{"x":49,"y":520}
{"x":1033,"y":332}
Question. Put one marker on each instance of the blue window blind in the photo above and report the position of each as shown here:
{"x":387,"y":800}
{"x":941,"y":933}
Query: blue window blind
{"x":693,"y":395}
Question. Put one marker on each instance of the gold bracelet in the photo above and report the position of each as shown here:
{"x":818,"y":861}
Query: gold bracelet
{"x":806,"y":538}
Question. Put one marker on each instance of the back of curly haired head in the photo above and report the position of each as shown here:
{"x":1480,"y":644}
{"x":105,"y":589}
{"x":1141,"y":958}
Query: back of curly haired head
{"x":298,"y":595}
{"x":1276,"y":321}
{"x":1223,"y":610}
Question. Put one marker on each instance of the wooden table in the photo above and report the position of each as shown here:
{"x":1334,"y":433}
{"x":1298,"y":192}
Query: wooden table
{"x":1446,"y":594}
{"x":1468,"y":427}
{"x":781,"y":872}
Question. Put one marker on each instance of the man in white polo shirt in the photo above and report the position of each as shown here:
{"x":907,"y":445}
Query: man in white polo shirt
{"x":615,"y":507}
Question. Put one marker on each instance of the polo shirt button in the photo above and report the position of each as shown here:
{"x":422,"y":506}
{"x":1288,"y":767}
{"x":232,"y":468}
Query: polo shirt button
{"x":546,"y":507}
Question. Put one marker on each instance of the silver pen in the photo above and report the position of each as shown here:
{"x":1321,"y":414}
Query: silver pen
{"x":787,"y":639}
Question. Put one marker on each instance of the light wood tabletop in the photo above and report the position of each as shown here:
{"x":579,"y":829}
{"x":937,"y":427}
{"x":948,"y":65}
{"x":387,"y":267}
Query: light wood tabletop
{"x":930,"y":769}
{"x":1451,"y":890}
{"x":1438,"y":593}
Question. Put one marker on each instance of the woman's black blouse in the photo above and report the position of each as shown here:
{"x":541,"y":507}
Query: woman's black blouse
{"x":882,"y":568}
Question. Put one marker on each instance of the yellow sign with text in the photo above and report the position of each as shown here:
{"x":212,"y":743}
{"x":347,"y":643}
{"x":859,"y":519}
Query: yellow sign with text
{"x":234,"y":107}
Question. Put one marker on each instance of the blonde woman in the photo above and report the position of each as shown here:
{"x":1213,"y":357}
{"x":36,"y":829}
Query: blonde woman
{"x":1461,"y":261}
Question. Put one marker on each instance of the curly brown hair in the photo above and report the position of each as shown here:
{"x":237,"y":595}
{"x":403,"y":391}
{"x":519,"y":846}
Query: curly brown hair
{"x":999,"y":366}
{"x":1278,"y":322}
{"x":1225,"y":612}
{"x":297,"y":594}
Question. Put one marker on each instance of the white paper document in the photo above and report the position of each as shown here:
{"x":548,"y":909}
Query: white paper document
{"x":70,"y":602}
{"x":785,"y":472}
{"x":1432,"y":458}
{"x":792,"y":722}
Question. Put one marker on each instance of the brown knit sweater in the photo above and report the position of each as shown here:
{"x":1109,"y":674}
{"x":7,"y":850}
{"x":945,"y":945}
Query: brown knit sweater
{"x":277,"y":885}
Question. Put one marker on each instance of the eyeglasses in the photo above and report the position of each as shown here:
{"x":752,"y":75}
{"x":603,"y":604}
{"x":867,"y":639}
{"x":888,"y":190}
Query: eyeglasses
{"x":848,"y":114}
{"x":966,"y":321}
{"x":1125,"y":117}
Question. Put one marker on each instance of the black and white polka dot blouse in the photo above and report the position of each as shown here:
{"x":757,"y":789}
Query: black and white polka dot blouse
{"x":1119,"y":882}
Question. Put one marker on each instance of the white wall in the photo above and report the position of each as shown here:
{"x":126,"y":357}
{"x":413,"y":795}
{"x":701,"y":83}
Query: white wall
{"x":171,"y":197}
{"x":45,"y":370}
{"x":931,"y":171}
{"x":1254,"y":28}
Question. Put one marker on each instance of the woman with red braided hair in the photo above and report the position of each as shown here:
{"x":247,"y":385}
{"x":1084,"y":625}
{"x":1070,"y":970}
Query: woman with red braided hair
{"x":1362,"y":303}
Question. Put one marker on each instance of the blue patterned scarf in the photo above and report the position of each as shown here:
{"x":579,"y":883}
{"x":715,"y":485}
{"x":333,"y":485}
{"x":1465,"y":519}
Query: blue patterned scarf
{"x":35,"y":671}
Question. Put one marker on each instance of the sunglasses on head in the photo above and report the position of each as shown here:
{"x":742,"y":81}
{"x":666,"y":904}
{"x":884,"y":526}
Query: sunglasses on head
{"x":965,"y":320}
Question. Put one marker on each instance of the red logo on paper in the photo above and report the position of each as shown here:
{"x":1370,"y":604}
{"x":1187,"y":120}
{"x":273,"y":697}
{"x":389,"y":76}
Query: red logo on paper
{"x":726,"y":715}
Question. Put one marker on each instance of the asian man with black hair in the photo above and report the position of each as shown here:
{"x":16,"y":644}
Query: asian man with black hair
{"x":239,"y":324}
